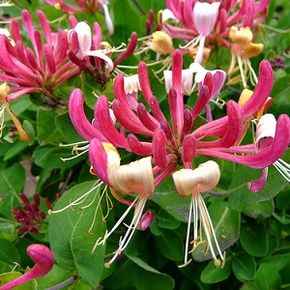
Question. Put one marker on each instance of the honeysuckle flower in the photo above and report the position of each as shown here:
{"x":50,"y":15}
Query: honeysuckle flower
{"x":192,"y":182}
{"x":43,"y":259}
{"x":135,"y":178}
{"x":41,"y":69}
{"x":240,"y":13}
{"x":219,"y":77}
{"x":265,"y":133}
{"x":199,"y":73}
{"x":84,"y":46}
{"x":243,"y":49}
{"x":85,"y":6}
{"x":173,"y":143}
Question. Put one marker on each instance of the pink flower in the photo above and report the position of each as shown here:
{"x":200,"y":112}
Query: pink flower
{"x":93,"y":55}
{"x":43,"y":258}
{"x":171,"y":143}
{"x":39,"y":70}
{"x":84,"y":6}
{"x":200,"y":18}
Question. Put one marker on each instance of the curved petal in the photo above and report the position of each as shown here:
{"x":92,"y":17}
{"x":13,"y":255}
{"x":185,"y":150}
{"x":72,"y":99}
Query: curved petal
{"x":79,"y":119}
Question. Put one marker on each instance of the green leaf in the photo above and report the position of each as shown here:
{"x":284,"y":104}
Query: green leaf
{"x":150,"y":278}
{"x":8,"y":253}
{"x":11,"y":184}
{"x":55,"y":276}
{"x":212,"y":274}
{"x":7,"y":231}
{"x":254,"y":239}
{"x":64,"y":125}
{"x":170,"y":245}
{"x":15,"y":149}
{"x":240,"y":198}
{"x":268,"y":277}
{"x":244,"y":267}
{"x":46,"y":131}
{"x":260,"y":209}
{"x":49,"y":157}
{"x":226,"y":223}
{"x":250,"y":286}
{"x":69,"y":235}
{"x":167,"y":197}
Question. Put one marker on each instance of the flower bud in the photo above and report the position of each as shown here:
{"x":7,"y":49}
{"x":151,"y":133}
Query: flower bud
{"x":161,"y":43}
{"x":241,"y":36}
{"x":252,"y":50}
{"x":4,"y":89}
{"x":244,"y":97}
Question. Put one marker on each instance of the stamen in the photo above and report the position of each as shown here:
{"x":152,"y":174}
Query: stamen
{"x":207,"y":220}
{"x":108,"y":234}
{"x":97,"y":208}
{"x":73,"y":157}
{"x":242,"y":72}
{"x":130,"y":232}
{"x":194,"y":42}
{"x":79,"y":200}
{"x":283,"y":168}
{"x":189,"y":221}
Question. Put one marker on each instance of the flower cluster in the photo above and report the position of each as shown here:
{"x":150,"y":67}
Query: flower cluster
{"x":41,"y":69}
{"x":182,"y":139}
{"x":168,"y":145}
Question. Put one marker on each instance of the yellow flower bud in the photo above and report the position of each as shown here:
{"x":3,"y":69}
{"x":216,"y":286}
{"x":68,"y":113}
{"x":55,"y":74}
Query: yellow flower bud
{"x":241,"y":36}
{"x":4,"y":89}
{"x":161,"y":43}
{"x":244,"y":97}
{"x":252,"y":50}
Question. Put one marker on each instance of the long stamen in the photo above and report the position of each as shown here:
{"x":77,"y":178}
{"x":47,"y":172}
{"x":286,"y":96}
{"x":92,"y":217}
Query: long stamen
{"x":189,"y":221}
{"x":191,"y":43}
{"x":207,"y":216}
{"x":240,"y":62}
{"x":283,"y":168}
{"x":108,"y":234}
{"x":79,"y":200}
{"x":129,"y":234}
{"x":97,"y":208}
{"x":73,"y":157}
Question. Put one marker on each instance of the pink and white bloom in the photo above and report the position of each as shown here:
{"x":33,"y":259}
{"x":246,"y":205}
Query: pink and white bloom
{"x":85,"y":6}
{"x":84,"y":45}
{"x":265,"y":133}
{"x":170,"y":143}
{"x":192,"y":15}
{"x":40,"y":69}
{"x":192,"y":182}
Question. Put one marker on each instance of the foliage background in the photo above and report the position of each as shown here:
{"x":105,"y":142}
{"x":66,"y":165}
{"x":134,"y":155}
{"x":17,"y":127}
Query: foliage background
{"x":255,"y":225}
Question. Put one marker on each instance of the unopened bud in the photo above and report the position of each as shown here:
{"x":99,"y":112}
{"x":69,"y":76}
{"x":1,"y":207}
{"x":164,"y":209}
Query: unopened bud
{"x":146,"y":220}
{"x":4,"y":89}
{"x":241,"y":36}
{"x":244,"y":97}
{"x":252,"y":50}
{"x":161,"y":43}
